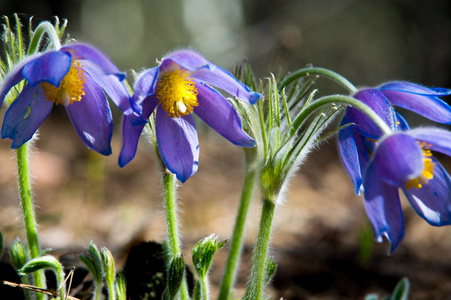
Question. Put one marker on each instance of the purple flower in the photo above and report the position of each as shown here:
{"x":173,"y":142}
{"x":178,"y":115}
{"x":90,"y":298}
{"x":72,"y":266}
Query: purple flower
{"x":357,"y":140}
{"x":403,"y":160}
{"x":179,"y":86}
{"x":76,"y":76}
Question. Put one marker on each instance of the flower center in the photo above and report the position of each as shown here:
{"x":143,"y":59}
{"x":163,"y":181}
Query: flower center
{"x":70,"y":89}
{"x":177,"y":94}
{"x":428,"y":170}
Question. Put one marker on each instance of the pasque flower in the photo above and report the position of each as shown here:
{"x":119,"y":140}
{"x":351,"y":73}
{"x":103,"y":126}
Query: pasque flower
{"x":357,"y":140}
{"x":178,"y":87}
{"x":403,"y":160}
{"x":76,"y":76}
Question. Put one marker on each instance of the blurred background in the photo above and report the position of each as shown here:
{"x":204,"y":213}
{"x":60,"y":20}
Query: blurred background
{"x":81,"y":196}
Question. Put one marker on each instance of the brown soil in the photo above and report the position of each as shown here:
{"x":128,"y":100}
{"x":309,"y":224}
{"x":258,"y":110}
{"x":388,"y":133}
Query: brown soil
{"x":82,"y":197}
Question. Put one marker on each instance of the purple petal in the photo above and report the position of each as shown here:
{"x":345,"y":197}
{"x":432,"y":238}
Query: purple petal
{"x":19,"y":126}
{"x":433,"y":200}
{"x":92,"y":54}
{"x":398,"y":158}
{"x":383,"y":208}
{"x":130,"y":138}
{"x":50,"y":67}
{"x":116,"y":90}
{"x":91,"y":118}
{"x":131,"y":134}
{"x":437,"y":139}
{"x":408,"y":87}
{"x":393,"y":215}
{"x":419,"y":99}
{"x":220,"y":115}
{"x":374,"y":202}
{"x":13,"y":77}
{"x":381,"y":106}
{"x":205,"y":71}
{"x":145,"y":85}
{"x":224,"y":80}
{"x":178,"y":144}
{"x":352,"y":153}
{"x":189,"y":60}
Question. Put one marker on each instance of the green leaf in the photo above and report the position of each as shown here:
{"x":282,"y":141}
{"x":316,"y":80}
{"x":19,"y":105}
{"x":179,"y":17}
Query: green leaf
{"x":401,"y":291}
{"x":270,"y":270}
{"x":43,"y":262}
{"x":109,"y":269}
{"x":93,"y":261}
{"x":198,"y":291}
{"x":46,"y":262}
{"x":372,"y":297}
{"x":121,"y":286}
{"x":18,"y":254}
{"x":176,"y":272}
{"x":203,"y":253}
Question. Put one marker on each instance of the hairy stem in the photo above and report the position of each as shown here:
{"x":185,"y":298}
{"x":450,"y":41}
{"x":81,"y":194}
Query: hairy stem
{"x":23,"y":167}
{"x":255,"y":288}
{"x":170,"y":204}
{"x":320,"y":72}
{"x":339,"y":99}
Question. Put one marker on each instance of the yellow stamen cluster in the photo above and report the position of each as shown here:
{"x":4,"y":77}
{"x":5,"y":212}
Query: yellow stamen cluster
{"x":428,"y":170}
{"x":177,"y":93}
{"x":70,"y":89}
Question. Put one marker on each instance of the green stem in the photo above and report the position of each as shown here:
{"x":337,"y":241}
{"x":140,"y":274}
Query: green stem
{"x":343,"y":100}
{"x":255,"y":288}
{"x":205,"y":290}
{"x":170,"y":187}
{"x":98,"y":291}
{"x":237,"y":238}
{"x":60,"y":281}
{"x":44,"y":27}
{"x":28,"y":213}
{"x":321,"y":72}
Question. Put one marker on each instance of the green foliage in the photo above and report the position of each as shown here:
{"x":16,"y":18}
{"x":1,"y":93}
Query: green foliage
{"x":102,"y":267}
{"x":401,"y":292}
{"x":203,"y":253}
{"x":270,"y":270}
{"x":285,"y":125}
{"x":121,"y":286}
{"x":46,"y":262}
{"x":93,"y":261}
{"x":109,"y":270}
{"x":176,"y":273}
{"x":18,"y":254}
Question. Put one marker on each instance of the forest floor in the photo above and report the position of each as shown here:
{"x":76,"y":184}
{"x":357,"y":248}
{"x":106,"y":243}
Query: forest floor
{"x":317,"y":238}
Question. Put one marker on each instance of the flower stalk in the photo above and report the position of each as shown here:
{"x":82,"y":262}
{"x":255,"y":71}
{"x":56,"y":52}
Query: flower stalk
{"x":256,"y":285}
{"x":308,"y":110}
{"x":318,"y":72}
{"x":49,"y":29}
{"x":170,"y":198}
{"x":29,"y":218}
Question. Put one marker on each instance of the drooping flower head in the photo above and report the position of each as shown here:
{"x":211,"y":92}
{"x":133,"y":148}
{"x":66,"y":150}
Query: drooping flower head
{"x":356,"y":142}
{"x":76,"y":76}
{"x":403,"y":160}
{"x":178,"y":87}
